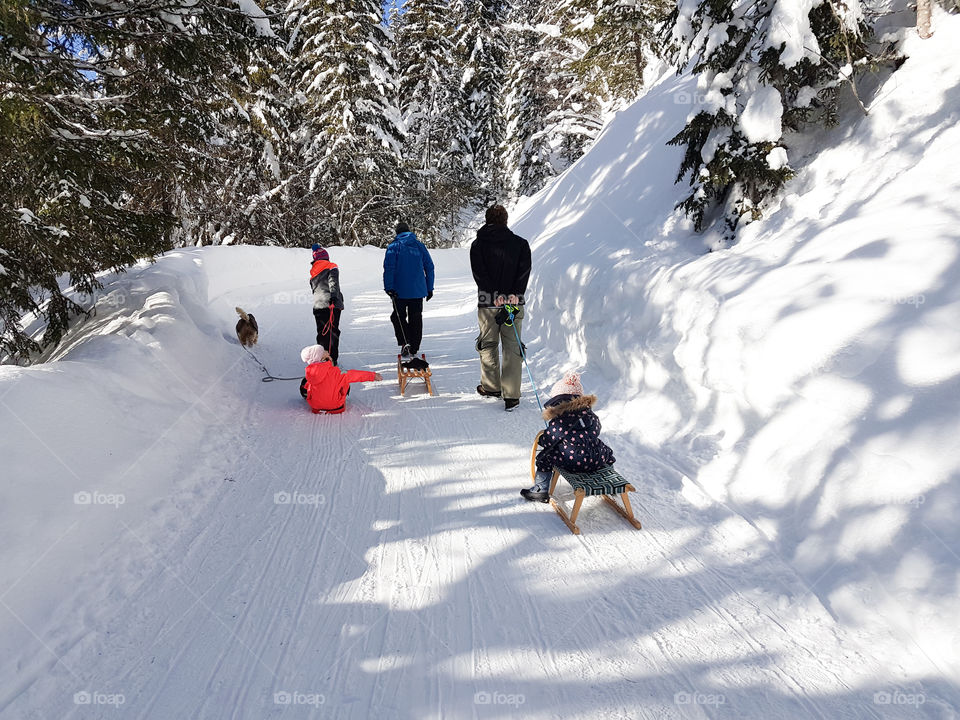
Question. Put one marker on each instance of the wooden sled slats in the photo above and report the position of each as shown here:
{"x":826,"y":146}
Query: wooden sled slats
{"x":605,"y":482}
{"x":404,"y":375}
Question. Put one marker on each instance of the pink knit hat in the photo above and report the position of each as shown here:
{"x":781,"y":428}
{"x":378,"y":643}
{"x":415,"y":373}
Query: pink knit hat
{"x":569,"y":385}
{"x":320,"y":254}
{"x":314,"y":354}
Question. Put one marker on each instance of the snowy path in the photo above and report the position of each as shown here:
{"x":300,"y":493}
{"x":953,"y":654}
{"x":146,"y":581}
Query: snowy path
{"x":408,"y":579}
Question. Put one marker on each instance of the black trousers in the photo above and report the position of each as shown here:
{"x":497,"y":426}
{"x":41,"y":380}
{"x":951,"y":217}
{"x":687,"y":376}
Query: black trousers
{"x":408,"y":325}
{"x":328,"y":331}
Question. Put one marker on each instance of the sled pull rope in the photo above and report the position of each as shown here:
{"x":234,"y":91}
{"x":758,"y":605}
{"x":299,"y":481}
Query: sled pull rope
{"x":511,"y":311}
{"x":268,"y":377}
{"x":399,"y":321}
{"x":328,"y":328}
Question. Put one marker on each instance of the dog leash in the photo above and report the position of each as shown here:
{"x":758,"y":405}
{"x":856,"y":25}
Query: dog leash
{"x":269,"y":377}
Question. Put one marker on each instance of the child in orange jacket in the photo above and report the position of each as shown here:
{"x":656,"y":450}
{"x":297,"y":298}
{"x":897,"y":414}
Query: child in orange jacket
{"x":326,"y":386}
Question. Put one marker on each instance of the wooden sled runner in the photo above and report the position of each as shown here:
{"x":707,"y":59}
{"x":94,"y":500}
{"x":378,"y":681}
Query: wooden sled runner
{"x":605,"y":482}
{"x":404,"y":374}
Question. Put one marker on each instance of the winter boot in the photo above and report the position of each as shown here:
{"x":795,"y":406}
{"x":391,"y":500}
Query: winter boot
{"x":535,"y":496}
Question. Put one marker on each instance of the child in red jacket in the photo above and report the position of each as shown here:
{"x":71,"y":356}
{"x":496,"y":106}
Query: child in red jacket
{"x":326,"y":386}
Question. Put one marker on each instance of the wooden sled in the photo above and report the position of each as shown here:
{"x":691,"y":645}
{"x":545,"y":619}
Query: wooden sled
{"x":605,"y":482}
{"x":404,"y":374}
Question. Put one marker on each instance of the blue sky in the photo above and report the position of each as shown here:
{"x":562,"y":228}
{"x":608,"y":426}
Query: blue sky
{"x":388,"y":5}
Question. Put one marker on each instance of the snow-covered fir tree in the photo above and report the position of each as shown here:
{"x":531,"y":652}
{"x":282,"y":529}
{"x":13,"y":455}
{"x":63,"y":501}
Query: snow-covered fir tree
{"x":241,"y":197}
{"x":350,"y":131}
{"x":527,"y":143}
{"x":615,"y":39}
{"x":553,"y":114}
{"x":482,"y":46}
{"x":765,"y":68}
{"x":575,"y":118}
{"x":429,"y":100}
{"x":105,"y":128}
{"x":258,"y":201}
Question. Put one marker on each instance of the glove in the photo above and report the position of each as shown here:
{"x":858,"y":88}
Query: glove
{"x":502,"y":316}
{"x":391,"y":293}
{"x":429,"y":295}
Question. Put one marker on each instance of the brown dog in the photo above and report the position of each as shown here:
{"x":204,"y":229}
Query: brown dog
{"x":247,"y":330}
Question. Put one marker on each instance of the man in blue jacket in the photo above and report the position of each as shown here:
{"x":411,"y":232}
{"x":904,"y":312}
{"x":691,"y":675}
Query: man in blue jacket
{"x":407,"y":279}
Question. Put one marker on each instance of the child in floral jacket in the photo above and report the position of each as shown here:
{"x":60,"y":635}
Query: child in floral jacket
{"x":572,"y":438}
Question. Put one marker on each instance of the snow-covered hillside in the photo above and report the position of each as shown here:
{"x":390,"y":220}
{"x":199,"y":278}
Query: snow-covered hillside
{"x":808,"y":379}
{"x":182,"y":540}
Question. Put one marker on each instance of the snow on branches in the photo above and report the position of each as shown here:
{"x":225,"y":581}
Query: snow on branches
{"x":766,"y":67}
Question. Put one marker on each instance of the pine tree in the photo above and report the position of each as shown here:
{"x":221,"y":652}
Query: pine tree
{"x":424,"y":51}
{"x":527,"y":145}
{"x":621,"y":37}
{"x":433,"y":116}
{"x":351,"y":135}
{"x":764,"y":68}
{"x":553,"y":114}
{"x":483,"y":51}
{"x":608,"y":43}
{"x":102,"y":111}
{"x":253,"y":202}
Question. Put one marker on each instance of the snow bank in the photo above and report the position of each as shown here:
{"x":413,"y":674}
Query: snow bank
{"x":808,"y":378}
{"x":96,"y":439}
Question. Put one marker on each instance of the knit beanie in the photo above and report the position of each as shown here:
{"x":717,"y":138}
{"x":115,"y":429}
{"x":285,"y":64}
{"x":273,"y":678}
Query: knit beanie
{"x":314,"y":354}
{"x":319,"y":253}
{"x":568,"y":385}
{"x":402,"y":227}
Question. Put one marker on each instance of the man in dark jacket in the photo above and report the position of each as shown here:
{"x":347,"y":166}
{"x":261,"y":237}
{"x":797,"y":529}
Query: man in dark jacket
{"x":407,"y":279}
{"x":500,"y":261}
{"x":327,"y":300}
